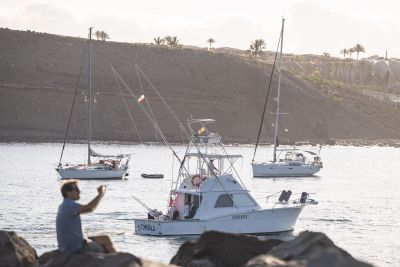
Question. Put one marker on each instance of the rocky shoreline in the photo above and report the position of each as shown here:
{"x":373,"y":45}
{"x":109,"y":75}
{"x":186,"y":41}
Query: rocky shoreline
{"x":212,"y":249}
{"x":329,"y":142}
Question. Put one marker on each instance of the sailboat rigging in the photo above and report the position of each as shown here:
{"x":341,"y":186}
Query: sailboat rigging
{"x":293,"y":162}
{"x":106,"y":166}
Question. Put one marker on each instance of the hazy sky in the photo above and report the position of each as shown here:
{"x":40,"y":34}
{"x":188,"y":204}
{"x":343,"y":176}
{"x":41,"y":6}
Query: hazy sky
{"x":312,"y":26}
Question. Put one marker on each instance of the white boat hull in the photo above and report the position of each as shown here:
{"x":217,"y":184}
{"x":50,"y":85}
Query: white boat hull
{"x":91,"y":174}
{"x":284,"y":170}
{"x":252,"y":222}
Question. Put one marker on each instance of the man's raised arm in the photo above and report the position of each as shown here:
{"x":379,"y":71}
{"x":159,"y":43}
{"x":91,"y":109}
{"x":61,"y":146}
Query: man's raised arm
{"x":92,"y":205}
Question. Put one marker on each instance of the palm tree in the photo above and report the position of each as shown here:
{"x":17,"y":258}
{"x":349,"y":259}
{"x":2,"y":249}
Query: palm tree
{"x":210,"y":41}
{"x":98,"y":34}
{"x":172,"y":41}
{"x":358,"y":48}
{"x":104,"y":36}
{"x":159,"y":41}
{"x":175,"y":41}
{"x":351,"y":50}
{"x":257,"y":46}
{"x":344,"y":52}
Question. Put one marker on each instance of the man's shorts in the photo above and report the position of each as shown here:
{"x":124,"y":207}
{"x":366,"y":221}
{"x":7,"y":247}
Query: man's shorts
{"x":90,"y":245}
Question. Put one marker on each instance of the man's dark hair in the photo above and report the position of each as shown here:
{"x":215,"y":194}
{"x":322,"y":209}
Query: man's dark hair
{"x":68,"y":186}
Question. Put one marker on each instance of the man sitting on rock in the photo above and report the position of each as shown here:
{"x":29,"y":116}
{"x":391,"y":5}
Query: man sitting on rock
{"x":68,"y":223}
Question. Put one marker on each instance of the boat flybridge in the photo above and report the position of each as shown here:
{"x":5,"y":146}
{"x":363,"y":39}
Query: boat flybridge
{"x":288,"y":162}
{"x":209,"y":195}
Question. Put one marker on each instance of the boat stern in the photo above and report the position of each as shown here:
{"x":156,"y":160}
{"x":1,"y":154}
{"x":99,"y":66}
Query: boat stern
{"x":147,"y":227}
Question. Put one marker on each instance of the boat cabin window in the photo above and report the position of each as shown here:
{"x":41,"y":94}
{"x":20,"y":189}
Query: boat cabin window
{"x":224,"y":201}
{"x":243,"y":200}
{"x":229,"y":200}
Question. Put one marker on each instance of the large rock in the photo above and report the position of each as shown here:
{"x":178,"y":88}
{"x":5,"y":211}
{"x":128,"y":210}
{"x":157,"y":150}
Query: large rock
{"x":222,"y":249}
{"x":315,"y":249}
{"x":212,"y":249}
{"x":15,"y":251}
{"x":309,"y":249}
{"x":94,"y":259}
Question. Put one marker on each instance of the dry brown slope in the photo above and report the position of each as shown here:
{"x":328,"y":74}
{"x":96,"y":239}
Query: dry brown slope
{"x":38,"y":73}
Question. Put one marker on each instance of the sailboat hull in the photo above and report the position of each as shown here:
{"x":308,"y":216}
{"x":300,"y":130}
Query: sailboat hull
{"x":91,"y":174}
{"x":284,"y":170}
{"x":266,"y":221}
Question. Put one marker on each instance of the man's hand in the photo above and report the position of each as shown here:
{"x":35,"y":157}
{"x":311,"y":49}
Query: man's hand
{"x":102,"y":189}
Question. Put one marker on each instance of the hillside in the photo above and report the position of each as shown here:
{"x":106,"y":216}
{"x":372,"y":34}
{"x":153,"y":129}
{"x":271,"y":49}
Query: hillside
{"x":38,"y":74}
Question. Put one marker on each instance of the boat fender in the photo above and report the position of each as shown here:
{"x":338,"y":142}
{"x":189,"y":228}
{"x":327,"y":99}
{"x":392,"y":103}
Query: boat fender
{"x":196,"y":180}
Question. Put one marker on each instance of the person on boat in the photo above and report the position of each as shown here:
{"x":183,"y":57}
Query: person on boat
{"x":154,"y":214}
{"x":212,"y":167}
{"x":68,"y":222}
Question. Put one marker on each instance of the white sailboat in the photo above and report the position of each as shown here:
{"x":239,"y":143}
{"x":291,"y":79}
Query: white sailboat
{"x":208,"y":194}
{"x":103,"y":166}
{"x":289,"y":162}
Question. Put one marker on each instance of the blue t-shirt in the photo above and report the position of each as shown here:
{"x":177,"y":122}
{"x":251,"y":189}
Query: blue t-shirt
{"x":69,"y":228}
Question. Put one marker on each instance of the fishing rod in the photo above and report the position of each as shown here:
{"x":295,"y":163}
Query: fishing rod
{"x":142,"y":203}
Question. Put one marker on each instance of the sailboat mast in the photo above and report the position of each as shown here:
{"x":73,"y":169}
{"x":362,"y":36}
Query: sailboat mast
{"x":90,"y":94}
{"x":279,"y":93}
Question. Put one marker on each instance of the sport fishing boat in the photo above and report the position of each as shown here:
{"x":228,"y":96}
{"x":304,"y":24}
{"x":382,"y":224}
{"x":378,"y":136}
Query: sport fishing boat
{"x":285,"y":162}
{"x":208,"y":194}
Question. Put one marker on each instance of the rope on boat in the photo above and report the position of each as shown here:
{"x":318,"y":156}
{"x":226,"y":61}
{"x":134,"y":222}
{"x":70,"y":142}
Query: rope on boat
{"x":73,"y":101}
{"x":163,"y":100}
{"x":266,"y":98}
{"x":147,"y":103}
{"x":117,"y":78}
{"x":129,"y":112}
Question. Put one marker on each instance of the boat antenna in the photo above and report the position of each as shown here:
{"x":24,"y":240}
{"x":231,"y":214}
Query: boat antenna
{"x":90,"y":94}
{"x":73,"y":103}
{"x":266,"y":100}
{"x":279,"y":92}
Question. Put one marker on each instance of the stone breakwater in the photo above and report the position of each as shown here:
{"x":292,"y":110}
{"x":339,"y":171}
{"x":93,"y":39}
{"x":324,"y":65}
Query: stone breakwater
{"x":212,"y":249}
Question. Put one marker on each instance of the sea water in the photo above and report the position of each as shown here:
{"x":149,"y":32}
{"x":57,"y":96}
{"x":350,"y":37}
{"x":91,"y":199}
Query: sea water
{"x":358,"y":191}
